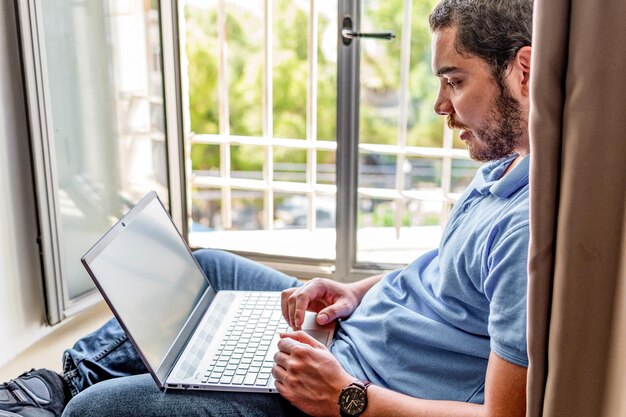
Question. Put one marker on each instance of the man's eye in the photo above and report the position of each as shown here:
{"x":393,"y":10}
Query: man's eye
{"x":453,"y":84}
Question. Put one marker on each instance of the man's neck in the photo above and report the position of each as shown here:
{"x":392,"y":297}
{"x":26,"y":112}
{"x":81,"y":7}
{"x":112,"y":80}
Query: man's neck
{"x":522,"y":150}
{"x":513,"y":164}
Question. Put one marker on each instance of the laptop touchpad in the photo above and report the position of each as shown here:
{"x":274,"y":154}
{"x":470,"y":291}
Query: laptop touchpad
{"x":323,"y":334}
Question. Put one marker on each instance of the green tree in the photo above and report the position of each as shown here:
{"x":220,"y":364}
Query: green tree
{"x":425,"y":128}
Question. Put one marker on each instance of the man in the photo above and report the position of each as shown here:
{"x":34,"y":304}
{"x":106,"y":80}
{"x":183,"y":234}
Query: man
{"x":443,"y":337}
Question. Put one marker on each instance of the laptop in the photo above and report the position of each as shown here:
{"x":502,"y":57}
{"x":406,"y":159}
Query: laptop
{"x":188,"y":335}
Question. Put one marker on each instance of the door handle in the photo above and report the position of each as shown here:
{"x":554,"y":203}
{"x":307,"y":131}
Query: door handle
{"x":348,"y":34}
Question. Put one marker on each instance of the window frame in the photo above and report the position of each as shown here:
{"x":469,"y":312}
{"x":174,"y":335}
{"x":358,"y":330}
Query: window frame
{"x":44,"y":167}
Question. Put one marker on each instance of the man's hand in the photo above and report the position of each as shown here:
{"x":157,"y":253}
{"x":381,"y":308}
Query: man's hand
{"x":330,"y":299}
{"x":308,"y":375}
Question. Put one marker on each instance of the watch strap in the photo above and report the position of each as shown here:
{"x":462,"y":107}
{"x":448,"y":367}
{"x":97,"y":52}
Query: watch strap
{"x":364,"y":383}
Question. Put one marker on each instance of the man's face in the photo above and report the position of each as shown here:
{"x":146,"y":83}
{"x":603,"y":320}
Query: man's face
{"x":489,"y":117}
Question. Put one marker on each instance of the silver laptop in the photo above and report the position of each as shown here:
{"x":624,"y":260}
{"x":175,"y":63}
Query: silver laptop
{"x":188,"y":335}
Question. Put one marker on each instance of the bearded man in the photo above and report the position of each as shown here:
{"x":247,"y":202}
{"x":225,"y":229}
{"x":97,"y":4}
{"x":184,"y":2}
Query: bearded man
{"x":445,"y":336}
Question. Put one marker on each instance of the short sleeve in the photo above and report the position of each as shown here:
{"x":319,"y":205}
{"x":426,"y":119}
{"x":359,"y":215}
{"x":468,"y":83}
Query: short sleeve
{"x":506,"y":289}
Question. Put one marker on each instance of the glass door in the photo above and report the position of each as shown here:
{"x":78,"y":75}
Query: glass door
{"x":407,"y":168}
{"x":411,"y":168}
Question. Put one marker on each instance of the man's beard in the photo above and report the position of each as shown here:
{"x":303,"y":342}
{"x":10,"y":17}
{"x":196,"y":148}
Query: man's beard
{"x":502,"y":132}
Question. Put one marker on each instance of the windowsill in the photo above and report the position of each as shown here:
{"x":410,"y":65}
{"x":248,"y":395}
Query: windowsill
{"x":375,"y":245}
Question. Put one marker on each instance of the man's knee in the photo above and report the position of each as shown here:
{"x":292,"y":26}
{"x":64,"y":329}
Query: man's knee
{"x":90,"y":402}
{"x":210,"y":255}
{"x":115,"y":397}
{"x":228,"y":271}
{"x":214,"y":261}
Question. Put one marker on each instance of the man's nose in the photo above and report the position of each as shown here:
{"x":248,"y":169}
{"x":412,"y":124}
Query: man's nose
{"x":443,"y":106}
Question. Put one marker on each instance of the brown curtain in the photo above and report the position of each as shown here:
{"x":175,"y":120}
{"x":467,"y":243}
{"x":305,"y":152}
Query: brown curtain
{"x":577,"y":266}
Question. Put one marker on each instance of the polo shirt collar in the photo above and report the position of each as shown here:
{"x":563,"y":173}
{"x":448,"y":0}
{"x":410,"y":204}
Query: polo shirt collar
{"x":504,"y":187}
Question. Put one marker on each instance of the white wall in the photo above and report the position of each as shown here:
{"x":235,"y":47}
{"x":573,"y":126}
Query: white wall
{"x":22,"y":312}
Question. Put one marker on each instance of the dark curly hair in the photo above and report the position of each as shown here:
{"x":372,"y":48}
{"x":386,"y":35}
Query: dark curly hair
{"x":493,"y":30}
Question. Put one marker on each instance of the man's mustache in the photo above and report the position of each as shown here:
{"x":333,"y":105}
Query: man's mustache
{"x":453,"y":124}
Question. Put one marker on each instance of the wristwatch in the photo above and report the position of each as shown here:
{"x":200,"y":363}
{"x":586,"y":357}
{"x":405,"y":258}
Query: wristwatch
{"x":353,"y":399}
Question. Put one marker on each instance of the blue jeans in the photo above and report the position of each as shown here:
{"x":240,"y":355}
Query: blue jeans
{"x":107,"y":377}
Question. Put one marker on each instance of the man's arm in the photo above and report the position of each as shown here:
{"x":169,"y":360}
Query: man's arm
{"x":505,"y":396}
{"x":311,"y":378}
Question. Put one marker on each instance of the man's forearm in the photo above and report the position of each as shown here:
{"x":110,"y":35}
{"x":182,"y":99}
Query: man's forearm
{"x":383,"y":402}
{"x":505,"y":395}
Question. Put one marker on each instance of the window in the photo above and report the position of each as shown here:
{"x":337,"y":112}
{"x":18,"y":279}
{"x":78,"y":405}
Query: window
{"x":262,"y":129}
{"x":410,"y":167}
{"x":262,"y":95}
{"x":96,"y":102}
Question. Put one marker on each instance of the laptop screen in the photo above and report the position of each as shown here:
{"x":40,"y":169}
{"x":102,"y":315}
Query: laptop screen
{"x":149,"y":277}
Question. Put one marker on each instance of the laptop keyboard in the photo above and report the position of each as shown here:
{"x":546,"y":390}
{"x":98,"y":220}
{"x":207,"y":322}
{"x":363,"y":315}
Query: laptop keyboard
{"x":242,"y":357}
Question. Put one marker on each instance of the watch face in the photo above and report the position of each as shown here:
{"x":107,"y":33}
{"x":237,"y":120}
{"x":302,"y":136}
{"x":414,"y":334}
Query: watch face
{"x":353,"y":400}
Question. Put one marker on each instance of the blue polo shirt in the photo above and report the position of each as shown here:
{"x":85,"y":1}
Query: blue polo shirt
{"x":427,"y":330}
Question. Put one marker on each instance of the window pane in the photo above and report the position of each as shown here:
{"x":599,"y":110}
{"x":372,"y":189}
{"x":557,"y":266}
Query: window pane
{"x":257,"y":216}
{"x":327,"y":70}
{"x":205,"y":159}
{"x":105,"y":79}
{"x":463,"y":171}
{"x":423,"y":213}
{"x":380,"y":73}
{"x":424,"y":126}
{"x":290,"y":211}
{"x":202,"y":53}
{"x":247,"y":161}
{"x":377,"y":171}
{"x":290,"y":52}
{"x":457,"y":143}
{"x":325,"y":207}
{"x":290,"y":165}
{"x":247,"y":210}
{"x":326,"y":167}
{"x":395,"y":213}
{"x":379,"y":242}
{"x":375,"y":212}
{"x":422,"y":174}
{"x":206,"y":210}
{"x":244,"y":31}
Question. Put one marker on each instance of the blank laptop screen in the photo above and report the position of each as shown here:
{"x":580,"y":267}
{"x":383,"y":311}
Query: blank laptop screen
{"x":151,"y":279}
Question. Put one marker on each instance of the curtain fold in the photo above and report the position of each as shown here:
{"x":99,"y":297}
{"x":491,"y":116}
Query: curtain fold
{"x":615,"y":404}
{"x":548,"y":69}
{"x":578,"y":186}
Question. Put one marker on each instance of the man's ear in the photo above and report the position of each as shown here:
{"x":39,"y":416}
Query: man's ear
{"x":522,"y":64}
